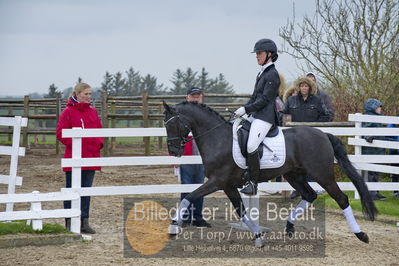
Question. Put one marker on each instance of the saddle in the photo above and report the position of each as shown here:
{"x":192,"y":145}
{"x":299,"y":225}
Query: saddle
{"x":243,"y":134}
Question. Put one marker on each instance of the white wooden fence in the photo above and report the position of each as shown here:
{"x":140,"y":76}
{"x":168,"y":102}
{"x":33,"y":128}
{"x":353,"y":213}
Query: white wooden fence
{"x":36,"y":213}
{"x":35,"y":198}
{"x":14,"y":151}
{"x":361,"y":162}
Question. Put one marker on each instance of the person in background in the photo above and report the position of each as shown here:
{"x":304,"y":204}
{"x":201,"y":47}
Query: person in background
{"x":279,"y":108}
{"x":395,"y":177}
{"x":304,"y":106}
{"x":325,"y":98}
{"x":279,"y":100}
{"x":193,"y":173}
{"x":80,"y":113}
{"x":291,"y":91}
{"x":373,"y":107}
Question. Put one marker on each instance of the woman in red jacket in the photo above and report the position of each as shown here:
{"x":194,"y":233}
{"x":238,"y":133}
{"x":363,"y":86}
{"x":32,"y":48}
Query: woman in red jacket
{"x":79,"y":113}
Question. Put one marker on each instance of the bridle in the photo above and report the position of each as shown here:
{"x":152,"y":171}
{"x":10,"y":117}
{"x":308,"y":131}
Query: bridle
{"x":184,"y":140}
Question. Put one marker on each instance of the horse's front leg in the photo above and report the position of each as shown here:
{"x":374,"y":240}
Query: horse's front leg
{"x":207,"y":188}
{"x":236,"y":200}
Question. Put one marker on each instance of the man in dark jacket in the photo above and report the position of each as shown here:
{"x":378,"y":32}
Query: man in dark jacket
{"x":193,"y":173}
{"x":373,"y":107}
{"x":324,"y":97}
{"x":261,"y":107}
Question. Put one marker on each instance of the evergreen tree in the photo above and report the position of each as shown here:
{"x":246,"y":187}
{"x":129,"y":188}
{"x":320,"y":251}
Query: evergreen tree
{"x":118,"y":84}
{"x":149,"y":84}
{"x":190,"y":79}
{"x":183,"y":80}
{"x":204,"y":81}
{"x":220,"y":85}
{"x":107,"y":85}
{"x":132,"y":83}
{"x":177,"y":81}
{"x":53,"y":92}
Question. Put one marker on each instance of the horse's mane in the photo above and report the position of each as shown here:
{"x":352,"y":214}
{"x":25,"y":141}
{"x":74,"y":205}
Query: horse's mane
{"x":204,"y":107}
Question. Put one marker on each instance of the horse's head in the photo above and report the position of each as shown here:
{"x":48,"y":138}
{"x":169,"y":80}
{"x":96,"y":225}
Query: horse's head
{"x":177,"y":130}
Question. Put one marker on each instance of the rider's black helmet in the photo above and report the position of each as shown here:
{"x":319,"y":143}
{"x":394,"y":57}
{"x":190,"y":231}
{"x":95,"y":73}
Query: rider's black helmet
{"x":266,"y":45}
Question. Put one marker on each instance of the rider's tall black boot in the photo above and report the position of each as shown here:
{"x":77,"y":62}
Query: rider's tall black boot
{"x":254,"y":172}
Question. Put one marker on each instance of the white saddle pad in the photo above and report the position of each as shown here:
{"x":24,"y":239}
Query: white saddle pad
{"x":270,"y":159}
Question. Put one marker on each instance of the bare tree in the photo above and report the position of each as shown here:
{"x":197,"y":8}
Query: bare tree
{"x":353,"y":45}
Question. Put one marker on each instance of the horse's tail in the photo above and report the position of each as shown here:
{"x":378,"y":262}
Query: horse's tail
{"x":369,"y":209}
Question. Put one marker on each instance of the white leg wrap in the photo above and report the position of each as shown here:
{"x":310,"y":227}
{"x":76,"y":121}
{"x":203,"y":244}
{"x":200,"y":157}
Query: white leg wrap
{"x":299,"y":209}
{"x":181,"y":211}
{"x":350,"y":219}
{"x":253,"y":227}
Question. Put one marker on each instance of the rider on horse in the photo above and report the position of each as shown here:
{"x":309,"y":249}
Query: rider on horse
{"x":261,"y":107}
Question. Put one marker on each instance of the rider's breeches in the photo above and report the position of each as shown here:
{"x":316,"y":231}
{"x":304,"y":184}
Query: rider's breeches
{"x":257,"y":133}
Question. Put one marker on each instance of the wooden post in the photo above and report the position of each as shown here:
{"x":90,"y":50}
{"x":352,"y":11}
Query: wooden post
{"x":146,"y":140}
{"x":160,"y":124}
{"x":57,"y":114}
{"x":104,"y":119}
{"x":10,"y":134}
{"x":37,"y":125}
{"x":113,"y":125}
{"x":25,"y":129}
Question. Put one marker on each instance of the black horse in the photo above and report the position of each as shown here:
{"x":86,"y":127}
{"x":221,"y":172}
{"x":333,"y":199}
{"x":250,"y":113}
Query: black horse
{"x":309,"y":151}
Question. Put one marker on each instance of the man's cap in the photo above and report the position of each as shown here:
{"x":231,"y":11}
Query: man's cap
{"x":194,"y":90}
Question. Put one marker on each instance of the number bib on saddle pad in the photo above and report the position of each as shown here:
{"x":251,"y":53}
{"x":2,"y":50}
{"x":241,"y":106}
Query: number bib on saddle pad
{"x":273,"y":158}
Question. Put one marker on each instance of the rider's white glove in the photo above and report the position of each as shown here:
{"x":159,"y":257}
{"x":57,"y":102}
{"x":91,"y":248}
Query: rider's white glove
{"x":240,"y":111}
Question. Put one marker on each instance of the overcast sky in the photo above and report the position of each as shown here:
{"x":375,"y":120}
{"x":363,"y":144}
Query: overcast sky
{"x":44,"y":42}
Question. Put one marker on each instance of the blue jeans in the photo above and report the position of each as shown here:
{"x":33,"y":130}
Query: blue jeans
{"x":373,"y":177}
{"x":193,"y":174}
{"x":87,"y":181}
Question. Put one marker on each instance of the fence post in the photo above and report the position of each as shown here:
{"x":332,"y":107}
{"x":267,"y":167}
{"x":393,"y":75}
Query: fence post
{"x":104,"y":119}
{"x":145,"y":123}
{"x":358,"y":151}
{"x":26,"y":114}
{"x":37,"y":224}
{"x":36,"y":125}
{"x":57,"y":114}
{"x":10,"y":114}
{"x":76,"y":180}
{"x":113,"y":125}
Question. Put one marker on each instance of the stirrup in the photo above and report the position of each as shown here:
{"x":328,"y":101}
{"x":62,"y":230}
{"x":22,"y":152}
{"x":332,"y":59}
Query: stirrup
{"x":251,"y":189}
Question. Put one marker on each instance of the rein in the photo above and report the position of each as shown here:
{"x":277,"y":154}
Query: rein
{"x":183,"y":140}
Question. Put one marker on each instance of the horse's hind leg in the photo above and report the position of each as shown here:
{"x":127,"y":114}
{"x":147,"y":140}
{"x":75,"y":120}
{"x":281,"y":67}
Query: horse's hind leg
{"x":335,"y":192}
{"x":308,"y":196}
{"x":236,"y":200}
